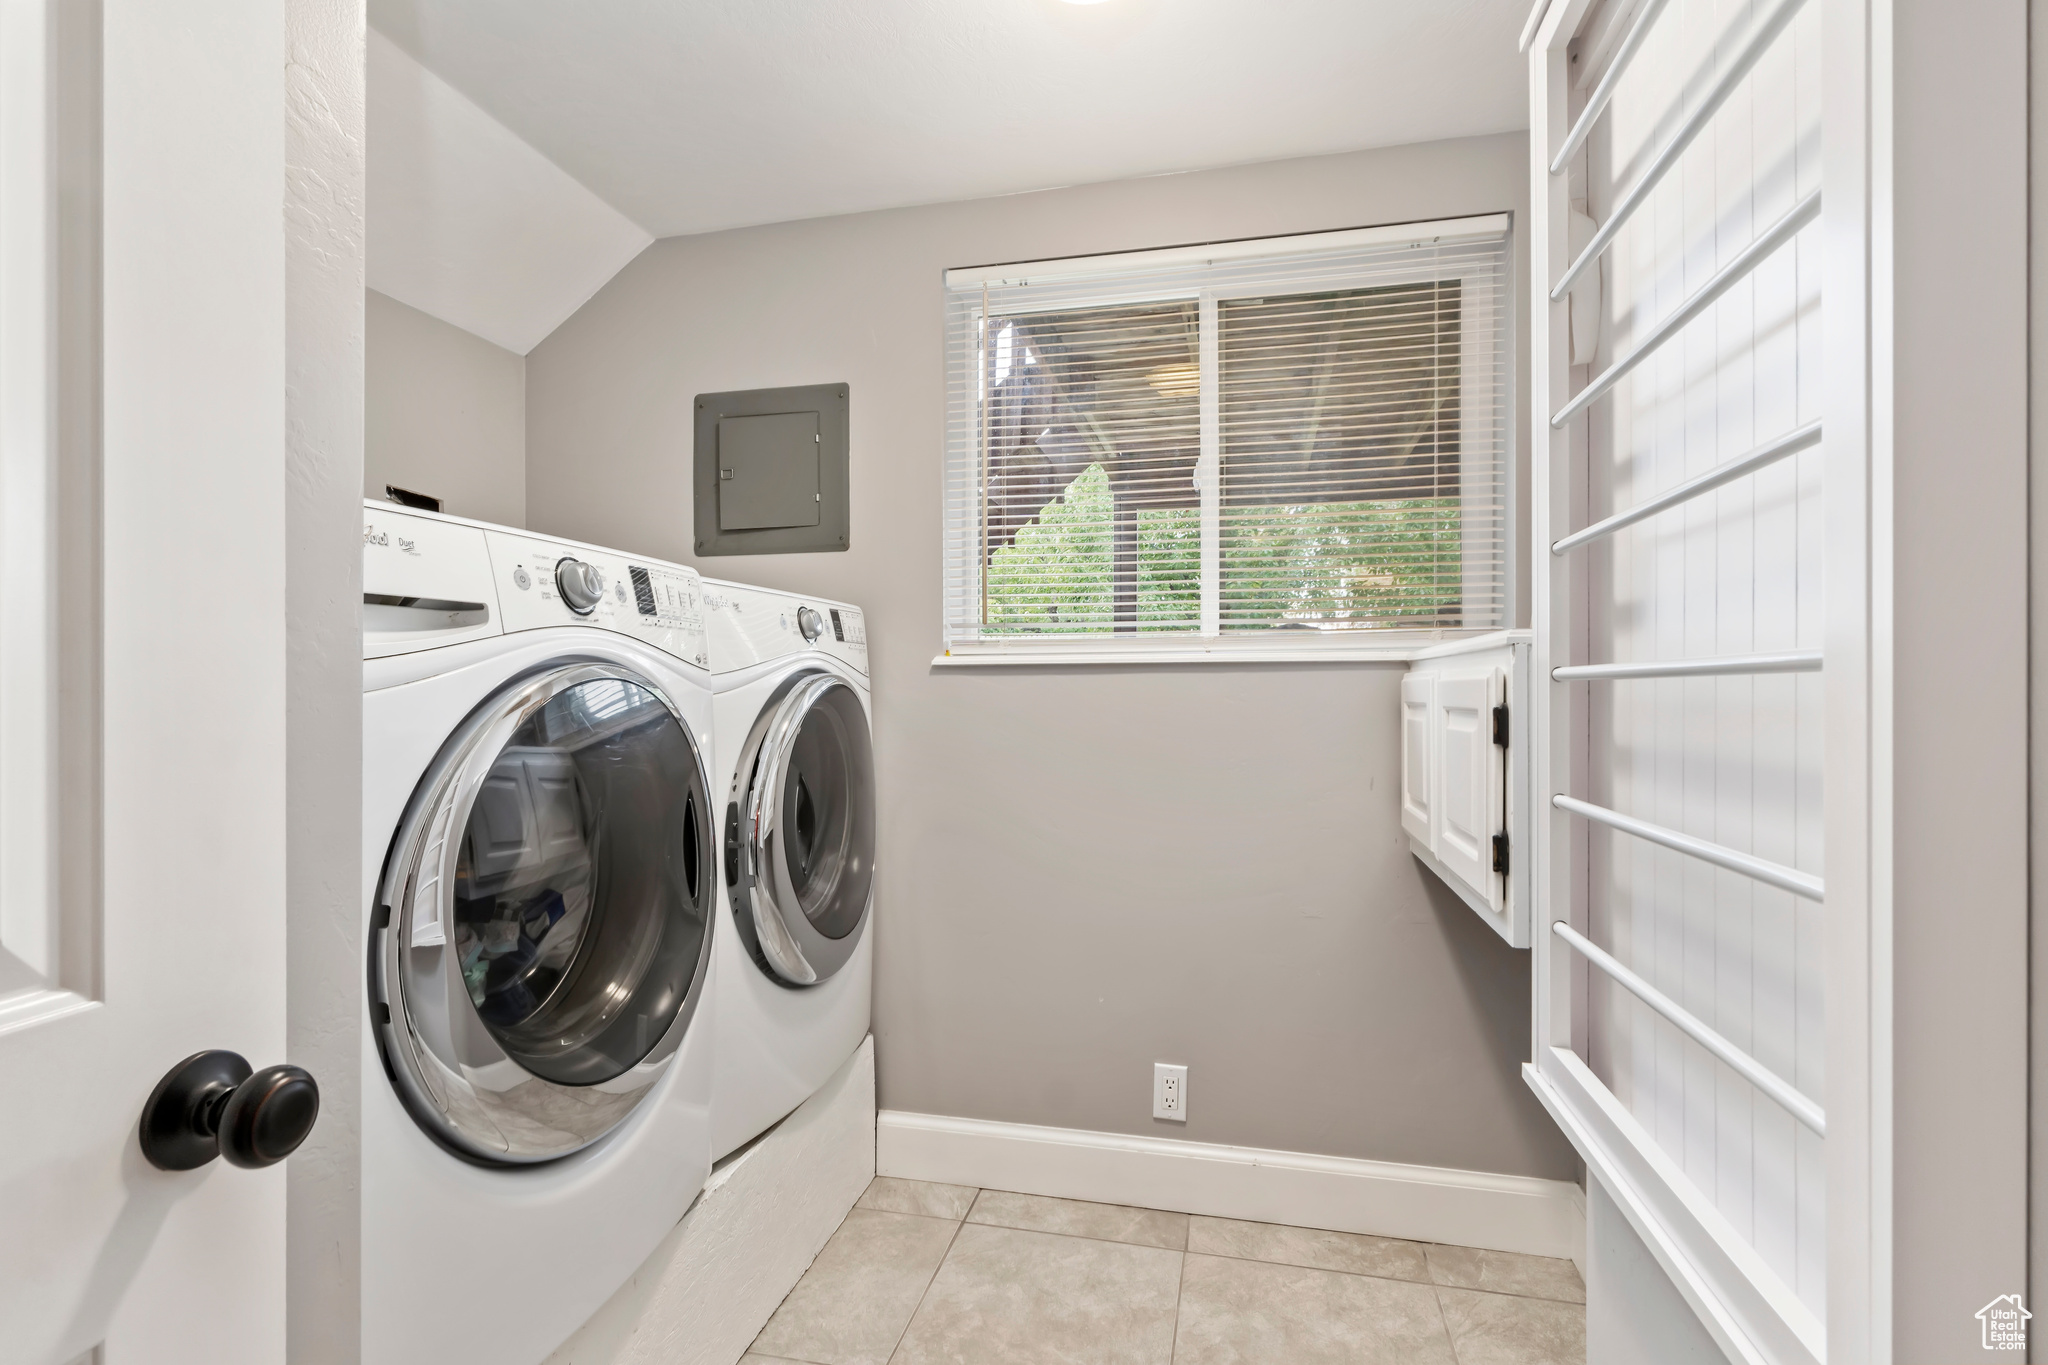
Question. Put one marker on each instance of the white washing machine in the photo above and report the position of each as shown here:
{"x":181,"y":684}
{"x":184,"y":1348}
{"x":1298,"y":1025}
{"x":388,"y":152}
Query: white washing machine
{"x":791,"y":707}
{"x":540,"y":892}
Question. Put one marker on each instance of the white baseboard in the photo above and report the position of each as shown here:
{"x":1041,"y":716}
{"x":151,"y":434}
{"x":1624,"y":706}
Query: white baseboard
{"x":710,"y":1287}
{"x":1343,"y":1194}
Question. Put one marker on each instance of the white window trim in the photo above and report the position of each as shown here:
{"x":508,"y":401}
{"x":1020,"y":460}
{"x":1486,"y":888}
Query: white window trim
{"x":1386,"y":646}
{"x":1435,"y":232}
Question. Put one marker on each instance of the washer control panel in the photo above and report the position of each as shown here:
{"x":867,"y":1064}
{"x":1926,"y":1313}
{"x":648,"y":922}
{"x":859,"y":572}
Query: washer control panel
{"x":426,"y":583}
{"x":581,"y":584}
{"x":546,"y":583}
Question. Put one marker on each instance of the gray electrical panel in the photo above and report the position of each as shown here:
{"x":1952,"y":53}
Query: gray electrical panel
{"x":771,"y":471}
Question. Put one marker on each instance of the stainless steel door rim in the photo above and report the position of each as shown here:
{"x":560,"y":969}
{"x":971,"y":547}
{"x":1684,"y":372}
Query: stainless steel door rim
{"x":543,"y":924}
{"x":800,"y":830}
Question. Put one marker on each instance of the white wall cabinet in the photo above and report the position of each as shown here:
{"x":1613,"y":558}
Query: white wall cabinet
{"x":1464,"y":799}
{"x":1418,"y":732}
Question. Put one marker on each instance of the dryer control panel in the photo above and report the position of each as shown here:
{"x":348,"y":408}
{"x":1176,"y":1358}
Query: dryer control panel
{"x":545,"y":583}
{"x":748,"y":626}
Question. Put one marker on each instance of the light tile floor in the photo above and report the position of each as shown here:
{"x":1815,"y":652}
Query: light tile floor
{"x":923,"y":1274}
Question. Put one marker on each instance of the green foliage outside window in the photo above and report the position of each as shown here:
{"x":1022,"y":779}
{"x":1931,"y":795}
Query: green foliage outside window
{"x":1343,"y":564}
{"x":1057,"y":574}
{"x":1325,"y":565}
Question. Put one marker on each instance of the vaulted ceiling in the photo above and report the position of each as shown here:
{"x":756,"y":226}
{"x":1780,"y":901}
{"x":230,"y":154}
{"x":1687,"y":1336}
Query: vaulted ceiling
{"x":693,"y":115}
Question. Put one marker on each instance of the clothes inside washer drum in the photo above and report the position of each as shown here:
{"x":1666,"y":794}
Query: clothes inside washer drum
{"x":577,"y":913}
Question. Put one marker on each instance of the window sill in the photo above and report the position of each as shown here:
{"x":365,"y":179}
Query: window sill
{"x":1384,"y":647}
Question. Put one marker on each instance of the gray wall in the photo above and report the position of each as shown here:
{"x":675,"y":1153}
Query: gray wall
{"x":444,"y":414}
{"x":1084,"y":870}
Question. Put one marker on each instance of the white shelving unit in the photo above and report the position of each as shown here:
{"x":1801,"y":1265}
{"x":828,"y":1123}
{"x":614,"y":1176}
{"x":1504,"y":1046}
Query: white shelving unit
{"x":1678,"y":717}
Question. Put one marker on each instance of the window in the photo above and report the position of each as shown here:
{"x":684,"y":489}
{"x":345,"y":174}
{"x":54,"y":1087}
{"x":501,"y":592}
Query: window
{"x":1285,"y":443}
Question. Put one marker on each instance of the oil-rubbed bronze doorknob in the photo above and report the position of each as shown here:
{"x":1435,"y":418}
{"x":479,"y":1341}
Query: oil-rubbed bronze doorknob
{"x":210,"y":1105}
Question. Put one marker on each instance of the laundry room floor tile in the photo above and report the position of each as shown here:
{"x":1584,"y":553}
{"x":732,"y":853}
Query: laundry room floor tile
{"x":1248,"y":1312}
{"x":1506,"y":1272}
{"x":1028,"y":1280}
{"x":1010,"y":1297}
{"x":1499,"y":1329}
{"x":852,"y":1305}
{"x":1347,"y":1251}
{"x":1078,"y":1218}
{"x":918,"y":1196}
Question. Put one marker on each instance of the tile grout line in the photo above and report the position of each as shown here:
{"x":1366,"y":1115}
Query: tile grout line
{"x":1431,"y":1282}
{"x":857,"y":1206}
{"x":1438,"y":1289}
{"x":1082,"y":1237}
{"x":793,"y":1360}
{"x":1179,"y":1288}
{"x":1490,"y":1293}
{"x":1187,"y":1250}
{"x":1368,"y":1275}
{"x":1444,"y":1321}
{"x":893,"y":1350}
{"x":1293,"y":1265}
{"x":908,"y":1213}
{"x":786,"y":1298}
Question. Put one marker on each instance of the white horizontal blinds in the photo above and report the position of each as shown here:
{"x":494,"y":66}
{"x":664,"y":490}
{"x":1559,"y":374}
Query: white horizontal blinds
{"x":1353,"y":401}
{"x":1345,"y":465}
{"x":1091,"y":430}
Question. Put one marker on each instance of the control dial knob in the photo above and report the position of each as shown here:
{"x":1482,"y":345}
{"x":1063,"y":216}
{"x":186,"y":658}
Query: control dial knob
{"x":810,"y":623}
{"x":580,"y":584}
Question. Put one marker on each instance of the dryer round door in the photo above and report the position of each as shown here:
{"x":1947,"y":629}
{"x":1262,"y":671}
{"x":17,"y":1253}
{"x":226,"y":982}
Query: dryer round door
{"x":542,"y":932}
{"x":800,"y":831}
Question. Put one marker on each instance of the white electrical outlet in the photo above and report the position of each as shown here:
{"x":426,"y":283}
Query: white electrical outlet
{"x":1169,"y":1092}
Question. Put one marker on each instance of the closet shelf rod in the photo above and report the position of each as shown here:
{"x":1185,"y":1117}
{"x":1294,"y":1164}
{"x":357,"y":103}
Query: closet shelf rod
{"x":1604,"y":91}
{"x":1770,"y":452}
{"x":1667,"y":157}
{"x":1726,"y":278}
{"x":1744,"y":1065}
{"x":1749,"y":865}
{"x":1730,"y":665}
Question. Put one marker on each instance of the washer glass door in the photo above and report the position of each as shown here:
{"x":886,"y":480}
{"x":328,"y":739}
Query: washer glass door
{"x":548,"y":911}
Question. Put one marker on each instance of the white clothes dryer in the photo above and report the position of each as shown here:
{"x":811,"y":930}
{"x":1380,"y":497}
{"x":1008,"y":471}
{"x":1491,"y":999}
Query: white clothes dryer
{"x":791,"y":706}
{"x":539,"y":893}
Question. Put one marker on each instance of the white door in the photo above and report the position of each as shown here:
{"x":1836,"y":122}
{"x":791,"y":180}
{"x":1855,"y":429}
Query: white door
{"x":142,"y":664}
{"x":1469,"y":799}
